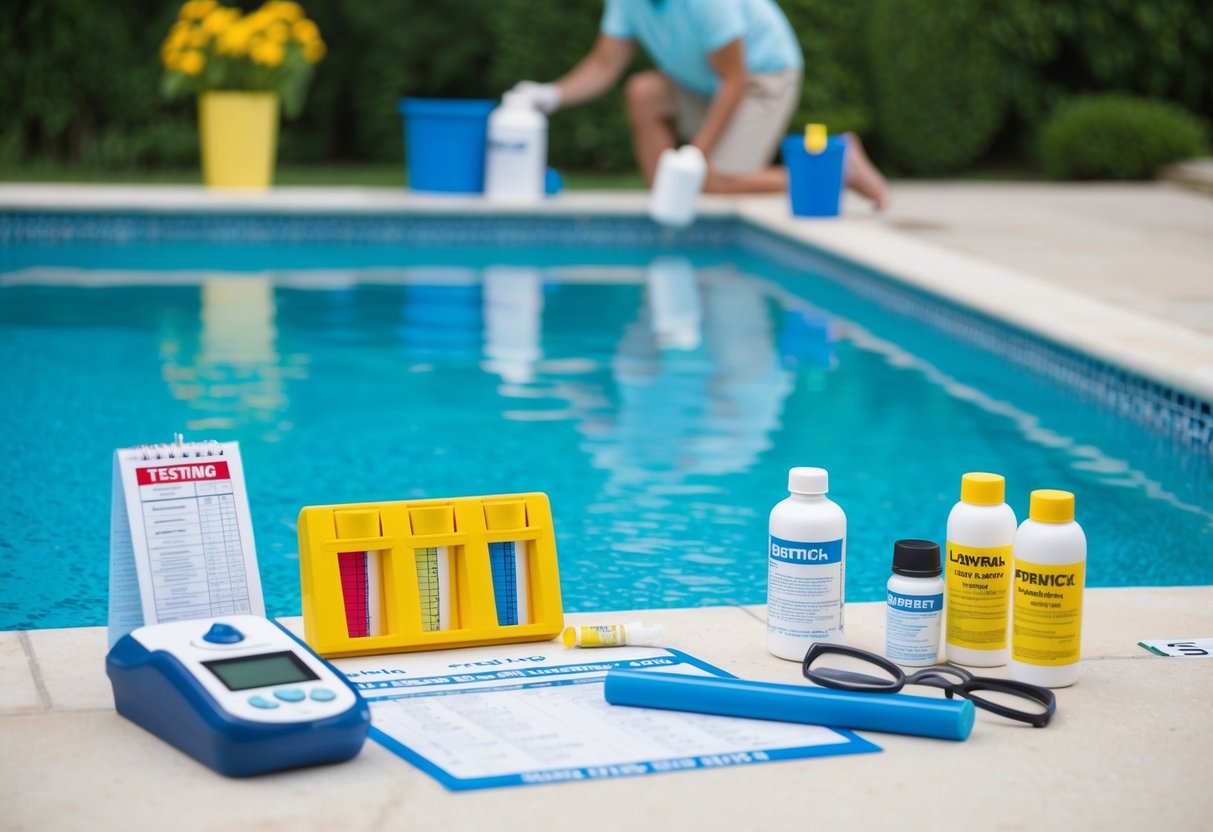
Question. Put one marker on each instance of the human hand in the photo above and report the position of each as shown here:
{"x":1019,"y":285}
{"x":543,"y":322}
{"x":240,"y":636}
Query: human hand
{"x":545,"y":97}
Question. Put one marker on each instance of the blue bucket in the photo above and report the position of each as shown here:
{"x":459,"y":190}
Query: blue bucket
{"x":814,"y":179}
{"x":444,"y":143}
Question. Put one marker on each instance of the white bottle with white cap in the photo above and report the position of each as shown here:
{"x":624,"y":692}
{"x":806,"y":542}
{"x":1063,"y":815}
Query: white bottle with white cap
{"x":515,"y":164}
{"x":806,"y":574}
{"x":676,"y":186}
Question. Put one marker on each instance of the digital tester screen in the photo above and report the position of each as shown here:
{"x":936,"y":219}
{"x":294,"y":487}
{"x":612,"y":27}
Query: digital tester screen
{"x":246,"y":672}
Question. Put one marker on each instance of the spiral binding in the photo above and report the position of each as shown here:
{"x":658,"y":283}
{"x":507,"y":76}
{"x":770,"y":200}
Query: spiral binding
{"x":180,"y":449}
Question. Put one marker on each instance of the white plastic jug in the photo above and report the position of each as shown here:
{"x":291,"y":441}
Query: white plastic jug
{"x":516,"y":157}
{"x":680,"y":175}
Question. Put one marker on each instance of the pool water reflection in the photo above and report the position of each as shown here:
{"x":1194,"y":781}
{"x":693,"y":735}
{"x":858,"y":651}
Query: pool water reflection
{"x":658,"y":397}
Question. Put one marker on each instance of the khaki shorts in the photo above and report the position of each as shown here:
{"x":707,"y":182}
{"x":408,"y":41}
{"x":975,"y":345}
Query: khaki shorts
{"x":757,"y":126}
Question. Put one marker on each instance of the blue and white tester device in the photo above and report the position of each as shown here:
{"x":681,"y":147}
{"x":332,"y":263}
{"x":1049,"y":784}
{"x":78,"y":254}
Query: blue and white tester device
{"x":237,"y":693}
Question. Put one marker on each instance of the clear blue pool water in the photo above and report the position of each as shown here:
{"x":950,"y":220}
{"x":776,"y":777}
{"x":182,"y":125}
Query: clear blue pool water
{"x":658,"y":395}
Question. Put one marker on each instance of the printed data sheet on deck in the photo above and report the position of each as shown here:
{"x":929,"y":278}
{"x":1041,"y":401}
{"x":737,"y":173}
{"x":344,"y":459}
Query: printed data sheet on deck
{"x":534,"y":713}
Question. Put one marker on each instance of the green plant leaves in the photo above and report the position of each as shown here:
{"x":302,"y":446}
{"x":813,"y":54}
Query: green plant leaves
{"x":1117,"y":137}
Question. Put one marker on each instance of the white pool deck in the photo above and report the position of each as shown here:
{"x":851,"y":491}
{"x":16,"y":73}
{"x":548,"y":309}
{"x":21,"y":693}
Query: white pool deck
{"x":1123,"y":272}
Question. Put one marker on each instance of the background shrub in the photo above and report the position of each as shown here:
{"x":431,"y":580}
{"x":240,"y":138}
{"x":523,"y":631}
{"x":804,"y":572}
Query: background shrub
{"x":938,"y":92}
{"x":836,"y":80}
{"x":1117,"y":137}
{"x":933,"y":86}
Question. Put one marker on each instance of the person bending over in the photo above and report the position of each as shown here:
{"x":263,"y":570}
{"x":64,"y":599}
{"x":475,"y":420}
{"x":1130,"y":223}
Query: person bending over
{"x":727,"y":81}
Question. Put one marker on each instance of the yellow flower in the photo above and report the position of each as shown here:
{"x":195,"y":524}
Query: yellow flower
{"x":262,"y":19}
{"x":174,"y":43}
{"x":191,"y":62}
{"x":220,"y":19}
{"x":305,"y":31}
{"x":268,"y":53}
{"x":199,"y":38}
{"x":197,"y":9}
{"x":314,"y":51}
{"x":285,"y":9}
{"x":218,"y":46}
{"x":234,"y":41}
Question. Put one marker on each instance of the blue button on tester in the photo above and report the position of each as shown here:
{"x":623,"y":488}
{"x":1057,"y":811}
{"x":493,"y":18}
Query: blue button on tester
{"x":221,"y":633}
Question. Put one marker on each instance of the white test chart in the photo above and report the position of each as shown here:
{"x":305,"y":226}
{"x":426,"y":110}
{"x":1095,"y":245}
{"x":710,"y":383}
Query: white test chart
{"x":519,"y":714}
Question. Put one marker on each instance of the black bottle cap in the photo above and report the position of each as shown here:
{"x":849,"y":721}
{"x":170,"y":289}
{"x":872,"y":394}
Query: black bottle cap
{"x":916,"y":558}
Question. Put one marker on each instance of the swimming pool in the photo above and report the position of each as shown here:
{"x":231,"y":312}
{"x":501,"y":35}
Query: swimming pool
{"x":656,"y":389}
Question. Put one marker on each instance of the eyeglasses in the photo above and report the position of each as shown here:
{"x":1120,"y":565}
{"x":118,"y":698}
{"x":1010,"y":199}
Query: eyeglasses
{"x":849,"y":668}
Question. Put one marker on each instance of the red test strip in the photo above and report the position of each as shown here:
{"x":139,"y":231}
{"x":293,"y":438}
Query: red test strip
{"x":354,"y":589}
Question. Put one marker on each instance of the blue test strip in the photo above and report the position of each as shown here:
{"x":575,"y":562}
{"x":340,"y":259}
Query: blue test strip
{"x":948,"y":719}
{"x":503,"y":560}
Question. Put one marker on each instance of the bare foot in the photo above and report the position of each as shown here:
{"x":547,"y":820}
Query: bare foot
{"x":862,"y":176}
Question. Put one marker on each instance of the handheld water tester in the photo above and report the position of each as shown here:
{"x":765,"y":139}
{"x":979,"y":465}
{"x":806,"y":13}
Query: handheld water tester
{"x":237,"y":693}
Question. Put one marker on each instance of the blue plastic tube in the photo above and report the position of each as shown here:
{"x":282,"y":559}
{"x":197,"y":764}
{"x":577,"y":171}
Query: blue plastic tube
{"x":919,"y":716}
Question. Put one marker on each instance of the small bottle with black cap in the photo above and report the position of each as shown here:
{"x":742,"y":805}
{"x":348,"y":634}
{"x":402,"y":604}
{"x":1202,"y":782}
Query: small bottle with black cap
{"x":915,"y":604}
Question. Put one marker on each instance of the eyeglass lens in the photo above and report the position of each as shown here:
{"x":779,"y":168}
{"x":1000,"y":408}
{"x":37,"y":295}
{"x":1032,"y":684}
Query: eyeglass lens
{"x":1014,"y":700}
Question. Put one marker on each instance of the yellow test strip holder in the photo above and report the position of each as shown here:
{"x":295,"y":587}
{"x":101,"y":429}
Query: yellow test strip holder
{"x":395,"y":530}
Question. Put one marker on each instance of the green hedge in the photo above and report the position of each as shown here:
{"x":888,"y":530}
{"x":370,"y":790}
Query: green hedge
{"x":378,"y":52}
{"x":933,"y":85}
{"x":79,"y":81}
{"x":953,"y":79}
{"x":1117,"y":137}
{"x":937,"y":82}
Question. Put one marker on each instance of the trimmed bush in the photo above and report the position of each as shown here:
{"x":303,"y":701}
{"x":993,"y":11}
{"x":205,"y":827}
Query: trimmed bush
{"x":835,"y":91}
{"x":1117,"y":137}
{"x":939,"y":96}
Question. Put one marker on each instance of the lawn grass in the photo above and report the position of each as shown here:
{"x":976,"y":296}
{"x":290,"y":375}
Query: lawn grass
{"x":386,"y":175}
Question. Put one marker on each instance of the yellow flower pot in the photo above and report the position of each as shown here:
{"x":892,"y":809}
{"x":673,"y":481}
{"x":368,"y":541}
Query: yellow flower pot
{"x":238,"y":132}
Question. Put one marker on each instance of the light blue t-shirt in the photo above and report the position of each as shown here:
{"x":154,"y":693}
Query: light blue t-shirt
{"x":680,"y":34}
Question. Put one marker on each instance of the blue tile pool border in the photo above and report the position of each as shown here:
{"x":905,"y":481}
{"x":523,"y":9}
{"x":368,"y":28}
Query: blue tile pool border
{"x":427,"y":230}
{"x":1175,"y":413}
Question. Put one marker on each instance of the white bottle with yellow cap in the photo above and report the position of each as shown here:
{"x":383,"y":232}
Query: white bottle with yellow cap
{"x":981,"y":529}
{"x":1050,"y":558}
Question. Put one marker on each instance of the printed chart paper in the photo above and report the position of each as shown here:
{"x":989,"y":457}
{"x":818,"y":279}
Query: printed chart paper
{"x":520,"y":714}
{"x":181,"y":536}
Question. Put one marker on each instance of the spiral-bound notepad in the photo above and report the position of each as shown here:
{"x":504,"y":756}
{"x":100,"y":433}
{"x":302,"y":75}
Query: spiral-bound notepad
{"x":181,"y":537}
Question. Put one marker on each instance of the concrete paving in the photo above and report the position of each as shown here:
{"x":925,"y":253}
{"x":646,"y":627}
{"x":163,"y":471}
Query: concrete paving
{"x":1142,"y":246}
{"x":1128,"y":749}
